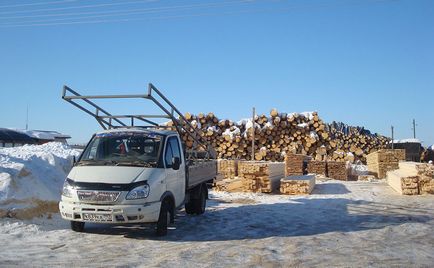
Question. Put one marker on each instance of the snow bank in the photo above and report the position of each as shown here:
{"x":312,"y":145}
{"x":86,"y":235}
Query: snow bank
{"x":33,"y":173}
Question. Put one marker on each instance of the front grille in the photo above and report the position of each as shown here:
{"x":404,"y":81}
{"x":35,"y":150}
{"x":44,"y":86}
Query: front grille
{"x":98,"y":196}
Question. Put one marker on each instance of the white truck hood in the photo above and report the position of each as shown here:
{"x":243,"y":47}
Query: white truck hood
{"x":109,"y":174}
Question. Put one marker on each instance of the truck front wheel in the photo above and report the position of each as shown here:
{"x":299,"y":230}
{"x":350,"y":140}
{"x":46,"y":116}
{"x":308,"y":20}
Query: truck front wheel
{"x":163,"y":219}
{"x":77,"y":226}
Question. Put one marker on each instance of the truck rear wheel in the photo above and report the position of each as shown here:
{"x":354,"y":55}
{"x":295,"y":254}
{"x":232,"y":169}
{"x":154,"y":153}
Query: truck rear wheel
{"x":201,"y":202}
{"x":163,"y":219}
{"x":197,"y":205}
{"x":77,"y":226}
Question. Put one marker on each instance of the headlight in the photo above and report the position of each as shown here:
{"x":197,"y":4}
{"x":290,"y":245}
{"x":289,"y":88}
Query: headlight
{"x":67,"y":190}
{"x":138,"y":192}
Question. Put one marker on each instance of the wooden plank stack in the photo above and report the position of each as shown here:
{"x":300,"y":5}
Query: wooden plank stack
{"x":337,"y":170}
{"x":229,"y":185}
{"x":297,"y":185}
{"x":382,"y":161}
{"x":228,"y":168}
{"x":424,"y":172}
{"x":402,"y":183}
{"x":317,"y":167}
{"x":260,"y":176}
{"x":295,"y":164}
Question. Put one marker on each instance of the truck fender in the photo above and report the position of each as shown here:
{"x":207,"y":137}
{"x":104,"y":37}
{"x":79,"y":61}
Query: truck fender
{"x":168,"y":195}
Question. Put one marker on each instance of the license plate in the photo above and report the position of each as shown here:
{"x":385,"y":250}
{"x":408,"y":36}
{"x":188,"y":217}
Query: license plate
{"x":97,"y":217}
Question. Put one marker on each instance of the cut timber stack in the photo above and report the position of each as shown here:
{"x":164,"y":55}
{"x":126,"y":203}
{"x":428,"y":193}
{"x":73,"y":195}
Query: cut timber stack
{"x":337,"y":170}
{"x":260,"y":176}
{"x":297,"y":185}
{"x":295,"y":164}
{"x":228,"y":168}
{"x":381,"y":161}
{"x":424,"y":172}
{"x":403,"y":183}
{"x":317,"y":167}
{"x":229,"y":185}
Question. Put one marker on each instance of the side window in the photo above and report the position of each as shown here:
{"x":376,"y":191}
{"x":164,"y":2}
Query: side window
{"x":175,"y":148}
{"x":168,"y":155}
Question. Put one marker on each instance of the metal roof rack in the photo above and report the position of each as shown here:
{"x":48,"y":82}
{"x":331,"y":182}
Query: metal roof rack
{"x":111,"y":121}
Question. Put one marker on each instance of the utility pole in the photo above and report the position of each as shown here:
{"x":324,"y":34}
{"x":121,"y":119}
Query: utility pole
{"x":253,"y":134}
{"x":27,"y":118}
{"x":393,"y":140}
{"x":414,"y":128}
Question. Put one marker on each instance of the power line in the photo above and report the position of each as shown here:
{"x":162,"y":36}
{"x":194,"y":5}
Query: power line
{"x":277,"y":10}
{"x":40,"y":3}
{"x":77,"y":7}
{"x":134,"y":11}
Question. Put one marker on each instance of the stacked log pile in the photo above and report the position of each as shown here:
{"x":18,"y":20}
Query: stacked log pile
{"x":337,"y":170}
{"x":295,"y":164}
{"x":317,"y":167}
{"x":297,"y":185}
{"x":381,"y":161}
{"x":228,"y":168}
{"x":260,"y":176}
{"x":281,"y":133}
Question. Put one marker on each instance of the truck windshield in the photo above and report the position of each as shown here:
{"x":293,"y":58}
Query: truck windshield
{"x":122,"y":149}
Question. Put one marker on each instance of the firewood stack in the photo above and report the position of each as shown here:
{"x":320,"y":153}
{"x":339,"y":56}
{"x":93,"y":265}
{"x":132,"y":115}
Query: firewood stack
{"x":337,"y":170}
{"x":295,"y":164}
{"x":228,"y":168}
{"x":317,"y":167}
{"x":279,"y":134}
{"x":297,"y":185}
{"x":381,"y":161}
{"x":260,"y":176}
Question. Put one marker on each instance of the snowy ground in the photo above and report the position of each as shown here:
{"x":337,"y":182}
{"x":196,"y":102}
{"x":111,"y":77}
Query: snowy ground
{"x":343,"y":224}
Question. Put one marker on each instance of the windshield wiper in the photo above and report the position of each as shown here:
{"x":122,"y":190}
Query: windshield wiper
{"x":137,"y":164}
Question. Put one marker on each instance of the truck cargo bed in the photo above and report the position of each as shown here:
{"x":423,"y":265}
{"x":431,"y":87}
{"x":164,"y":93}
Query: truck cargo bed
{"x":201,"y":171}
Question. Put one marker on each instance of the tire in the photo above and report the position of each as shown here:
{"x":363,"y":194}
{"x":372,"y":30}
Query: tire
{"x":163,"y":219}
{"x":77,"y":226}
{"x":200,"y":204}
{"x":189,"y":208}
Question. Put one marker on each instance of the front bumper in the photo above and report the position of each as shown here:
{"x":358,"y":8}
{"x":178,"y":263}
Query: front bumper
{"x":147,"y":213}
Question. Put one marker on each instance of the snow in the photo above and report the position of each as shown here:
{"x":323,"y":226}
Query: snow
{"x":432,"y":147}
{"x":232,"y":133}
{"x":303,"y":125}
{"x":33,"y":172}
{"x":342,"y":224}
{"x":43,"y":134}
{"x":407,"y":141}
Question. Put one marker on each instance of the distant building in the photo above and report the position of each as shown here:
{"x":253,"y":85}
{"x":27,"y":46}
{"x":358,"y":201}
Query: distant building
{"x":17,"y":137}
{"x":413,"y":148}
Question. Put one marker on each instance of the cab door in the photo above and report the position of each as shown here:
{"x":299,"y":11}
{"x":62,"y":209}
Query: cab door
{"x":175,"y":179}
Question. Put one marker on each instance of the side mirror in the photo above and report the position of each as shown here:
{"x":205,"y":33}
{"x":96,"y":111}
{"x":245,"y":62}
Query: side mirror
{"x":176,"y":163}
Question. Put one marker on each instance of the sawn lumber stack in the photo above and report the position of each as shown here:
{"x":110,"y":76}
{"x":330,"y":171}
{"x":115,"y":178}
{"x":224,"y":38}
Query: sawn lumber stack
{"x":297,"y":185}
{"x":317,"y":167}
{"x":382,"y":161}
{"x":260,"y":176}
{"x":412,"y":178}
{"x":228,"y":168}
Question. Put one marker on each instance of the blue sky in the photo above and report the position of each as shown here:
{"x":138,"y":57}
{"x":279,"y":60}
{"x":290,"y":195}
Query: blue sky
{"x":367,"y":63}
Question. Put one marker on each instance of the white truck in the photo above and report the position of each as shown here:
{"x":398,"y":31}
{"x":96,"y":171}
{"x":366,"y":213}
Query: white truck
{"x":136,"y":174}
